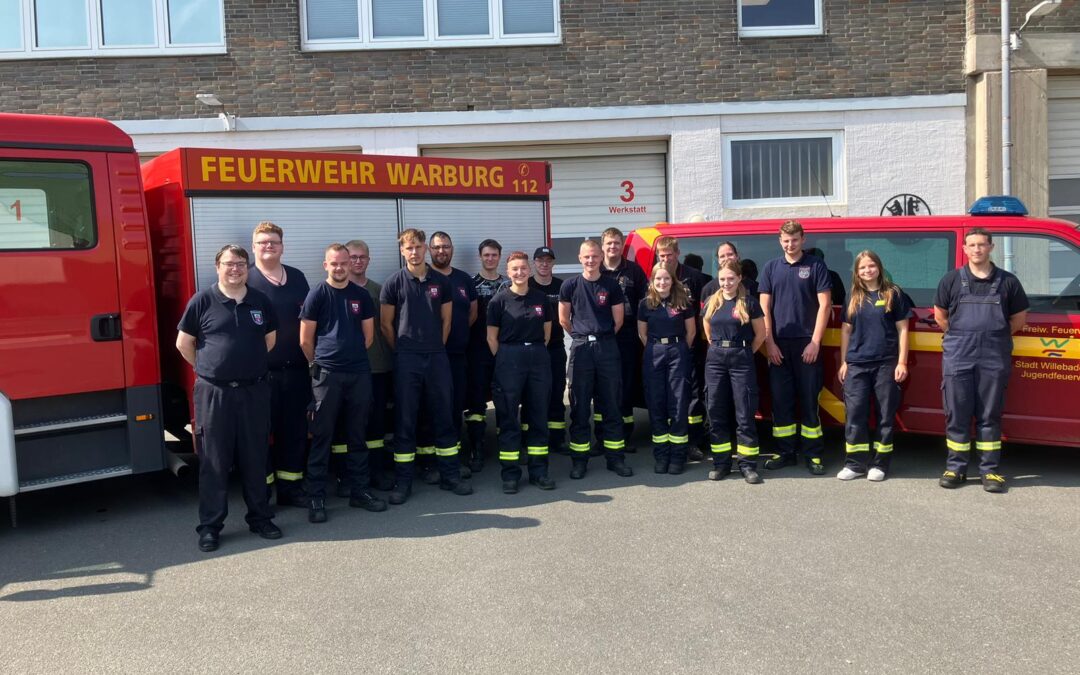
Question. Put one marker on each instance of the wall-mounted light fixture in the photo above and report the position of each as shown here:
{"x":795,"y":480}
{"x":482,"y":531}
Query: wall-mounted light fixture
{"x":228,"y":119}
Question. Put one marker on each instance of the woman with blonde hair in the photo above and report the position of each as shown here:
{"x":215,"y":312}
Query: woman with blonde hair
{"x":735,"y":329}
{"x":666,"y":323}
{"x":873,"y":363}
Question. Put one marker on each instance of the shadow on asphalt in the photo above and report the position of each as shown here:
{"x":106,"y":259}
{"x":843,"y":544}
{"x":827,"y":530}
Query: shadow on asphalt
{"x":116,"y":534}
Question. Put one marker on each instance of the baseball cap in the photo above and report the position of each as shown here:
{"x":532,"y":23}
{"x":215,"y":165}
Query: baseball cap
{"x":543,"y":252}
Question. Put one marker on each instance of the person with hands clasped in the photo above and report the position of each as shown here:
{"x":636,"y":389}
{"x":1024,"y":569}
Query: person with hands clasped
{"x":666,"y":324}
{"x":518,"y":329}
{"x":873,"y":363}
{"x":735,"y":329}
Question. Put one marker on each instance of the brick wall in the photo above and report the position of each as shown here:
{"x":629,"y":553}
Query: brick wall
{"x":984,"y":16}
{"x":614,"y":52}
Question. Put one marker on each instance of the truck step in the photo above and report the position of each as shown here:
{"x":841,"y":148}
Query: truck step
{"x":72,"y":478}
{"x":70,"y":424}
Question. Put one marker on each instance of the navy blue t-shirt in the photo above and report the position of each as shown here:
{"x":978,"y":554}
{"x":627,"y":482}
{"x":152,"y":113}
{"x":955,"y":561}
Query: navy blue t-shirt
{"x":634,"y":284}
{"x":230,"y":336}
{"x":590,"y":305}
{"x":462,"y":294}
{"x":519,"y":318}
{"x":664,"y":321}
{"x":873,"y":328}
{"x":418,"y":304}
{"x":793,"y":288}
{"x":287,"y":300}
{"x":551,"y":292}
{"x":339,"y":314}
{"x":724,"y":324}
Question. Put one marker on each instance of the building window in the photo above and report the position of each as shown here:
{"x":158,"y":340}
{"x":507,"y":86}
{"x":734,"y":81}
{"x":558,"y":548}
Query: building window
{"x":46,"y":29}
{"x":779,"y":18}
{"x":782,"y":169}
{"x":331,"y":25}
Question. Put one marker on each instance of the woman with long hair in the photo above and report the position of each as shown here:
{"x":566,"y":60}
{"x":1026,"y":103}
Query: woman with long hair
{"x":666,"y":323}
{"x":873,"y":363}
{"x":518,"y":330}
{"x":735,"y":329}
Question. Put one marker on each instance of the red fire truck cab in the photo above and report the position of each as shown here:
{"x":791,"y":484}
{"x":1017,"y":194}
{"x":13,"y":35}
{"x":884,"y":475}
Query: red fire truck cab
{"x":917,"y":252}
{"x":98,"y":257}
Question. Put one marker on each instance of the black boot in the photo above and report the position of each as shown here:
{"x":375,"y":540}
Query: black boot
{"x":577,"y":471}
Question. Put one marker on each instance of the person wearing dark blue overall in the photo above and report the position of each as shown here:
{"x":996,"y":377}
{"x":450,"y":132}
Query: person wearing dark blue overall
{"x":462,"y":317}
{"x":416,"y":315}
{"x":734,"y":328}
{"x":518,"y":328}
{"x":591,"y":310}
{"x":337,"y":325}
{"x":666,"y":325}
{"x":481,"y":362}
{"x":796,"y":297}
{"x":290,"y":384}
{"x":873,"y":363}
{"x":667,"y":253}
{"x":979,"y":307}
{"x":550,"y":285}
{"x":632,"y":281}
{"x":225,"y":333}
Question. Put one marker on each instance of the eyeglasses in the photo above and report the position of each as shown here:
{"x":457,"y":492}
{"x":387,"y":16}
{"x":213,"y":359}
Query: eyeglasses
{"x":240,"y":265}
{"x":358,"y":258}
{"x":268,"y":244}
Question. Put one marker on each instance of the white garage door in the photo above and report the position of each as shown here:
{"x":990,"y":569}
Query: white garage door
{"x":1063,"y":105}
{"x":594,"y":186}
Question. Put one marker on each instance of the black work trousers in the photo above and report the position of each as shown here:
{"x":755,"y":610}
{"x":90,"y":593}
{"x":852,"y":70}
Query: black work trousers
{"x":232,"y":427}
{"x":522,"y":374}
{"x":866,"y":382}
{"x":595,"y":375}
{"x":346,"y":396}
{"x":290,"y":395}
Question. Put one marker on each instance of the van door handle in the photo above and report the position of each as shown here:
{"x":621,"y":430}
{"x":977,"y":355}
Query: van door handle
{"x":105,"y":327}
{"x":928,"y":321}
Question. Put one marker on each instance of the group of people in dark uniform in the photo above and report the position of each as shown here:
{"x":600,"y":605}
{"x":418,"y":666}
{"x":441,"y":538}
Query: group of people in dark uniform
{"x":279,"y":363}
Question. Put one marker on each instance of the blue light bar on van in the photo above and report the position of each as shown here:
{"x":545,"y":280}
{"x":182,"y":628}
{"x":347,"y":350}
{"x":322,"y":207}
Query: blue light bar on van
{"x":999,"y":205}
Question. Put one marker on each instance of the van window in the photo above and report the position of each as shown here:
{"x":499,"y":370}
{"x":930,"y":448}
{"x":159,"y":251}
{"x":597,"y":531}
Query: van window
{"x":45,"y":205}
{"x":1048,"y":267}
{"x":915,"y":260}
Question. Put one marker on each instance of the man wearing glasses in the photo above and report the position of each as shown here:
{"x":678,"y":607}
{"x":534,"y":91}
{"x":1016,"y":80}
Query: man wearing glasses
{"x":225,"y":333}
{"x":290,"y":386}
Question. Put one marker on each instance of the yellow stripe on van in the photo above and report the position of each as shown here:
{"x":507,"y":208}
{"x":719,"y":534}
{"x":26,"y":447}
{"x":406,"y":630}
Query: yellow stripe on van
{"x":832,"y":405}
{"x":648,"y":235}
{"x":1023,"y":345}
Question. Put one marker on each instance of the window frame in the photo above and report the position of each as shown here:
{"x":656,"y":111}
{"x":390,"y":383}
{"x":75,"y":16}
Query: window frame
{"x":839,"y":191}
{"x":817,"y":28}
{"x":92,"y":203}
{"x":95,"y":32}
{"x":431,"y":39}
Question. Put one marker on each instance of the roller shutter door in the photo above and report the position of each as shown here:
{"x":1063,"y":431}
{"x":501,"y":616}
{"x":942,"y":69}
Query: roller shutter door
{"x":1063,"y":94}
{"x":594,"y":185}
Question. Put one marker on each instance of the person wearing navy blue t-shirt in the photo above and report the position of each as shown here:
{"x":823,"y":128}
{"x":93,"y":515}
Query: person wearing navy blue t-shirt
{"x":633,"y":282}
{"x":337,"y":325}
{"x":873,"y":363}
{"x":463,"y":316}
{"x":225,"y":333}
{"x":667,"y":253}
{"x":416,"y":321}
{"x":734,"y":329}
{"x":666,"y":326}
{"x":796,"y":298}
{"x":290,"y":385}
{"x":591,"y":310}
{"x":487,"y":282}
{"x":518,"y":328}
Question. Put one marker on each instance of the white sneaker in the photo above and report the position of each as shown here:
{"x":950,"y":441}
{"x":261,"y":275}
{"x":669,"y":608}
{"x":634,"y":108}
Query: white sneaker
{"x":876,"y":475}
{"x":848,"y":474}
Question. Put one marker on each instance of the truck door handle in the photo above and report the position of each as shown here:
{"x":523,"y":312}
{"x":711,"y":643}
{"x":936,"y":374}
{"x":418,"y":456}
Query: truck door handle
{"x":105,"y":327}
{"x":928,"y":321}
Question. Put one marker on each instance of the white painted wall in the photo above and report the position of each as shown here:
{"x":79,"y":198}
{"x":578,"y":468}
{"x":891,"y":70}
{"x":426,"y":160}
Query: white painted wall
{"x":891,"y":145}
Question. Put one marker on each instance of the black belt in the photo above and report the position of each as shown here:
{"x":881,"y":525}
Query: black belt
{"x":522,"y":344}
{"x":232,"y":383}
{"x":674,"y":339}
{"x":730,"y":343}
{"x":594,"y":338}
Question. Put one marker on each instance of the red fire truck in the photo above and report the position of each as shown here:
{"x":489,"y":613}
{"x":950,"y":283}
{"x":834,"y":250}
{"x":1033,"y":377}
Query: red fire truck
{"x":98,"y":257}
{"x":917,"y":252}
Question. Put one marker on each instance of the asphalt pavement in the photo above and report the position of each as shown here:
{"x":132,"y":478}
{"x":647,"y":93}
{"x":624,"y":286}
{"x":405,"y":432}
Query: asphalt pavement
{"x":654,"y":573}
